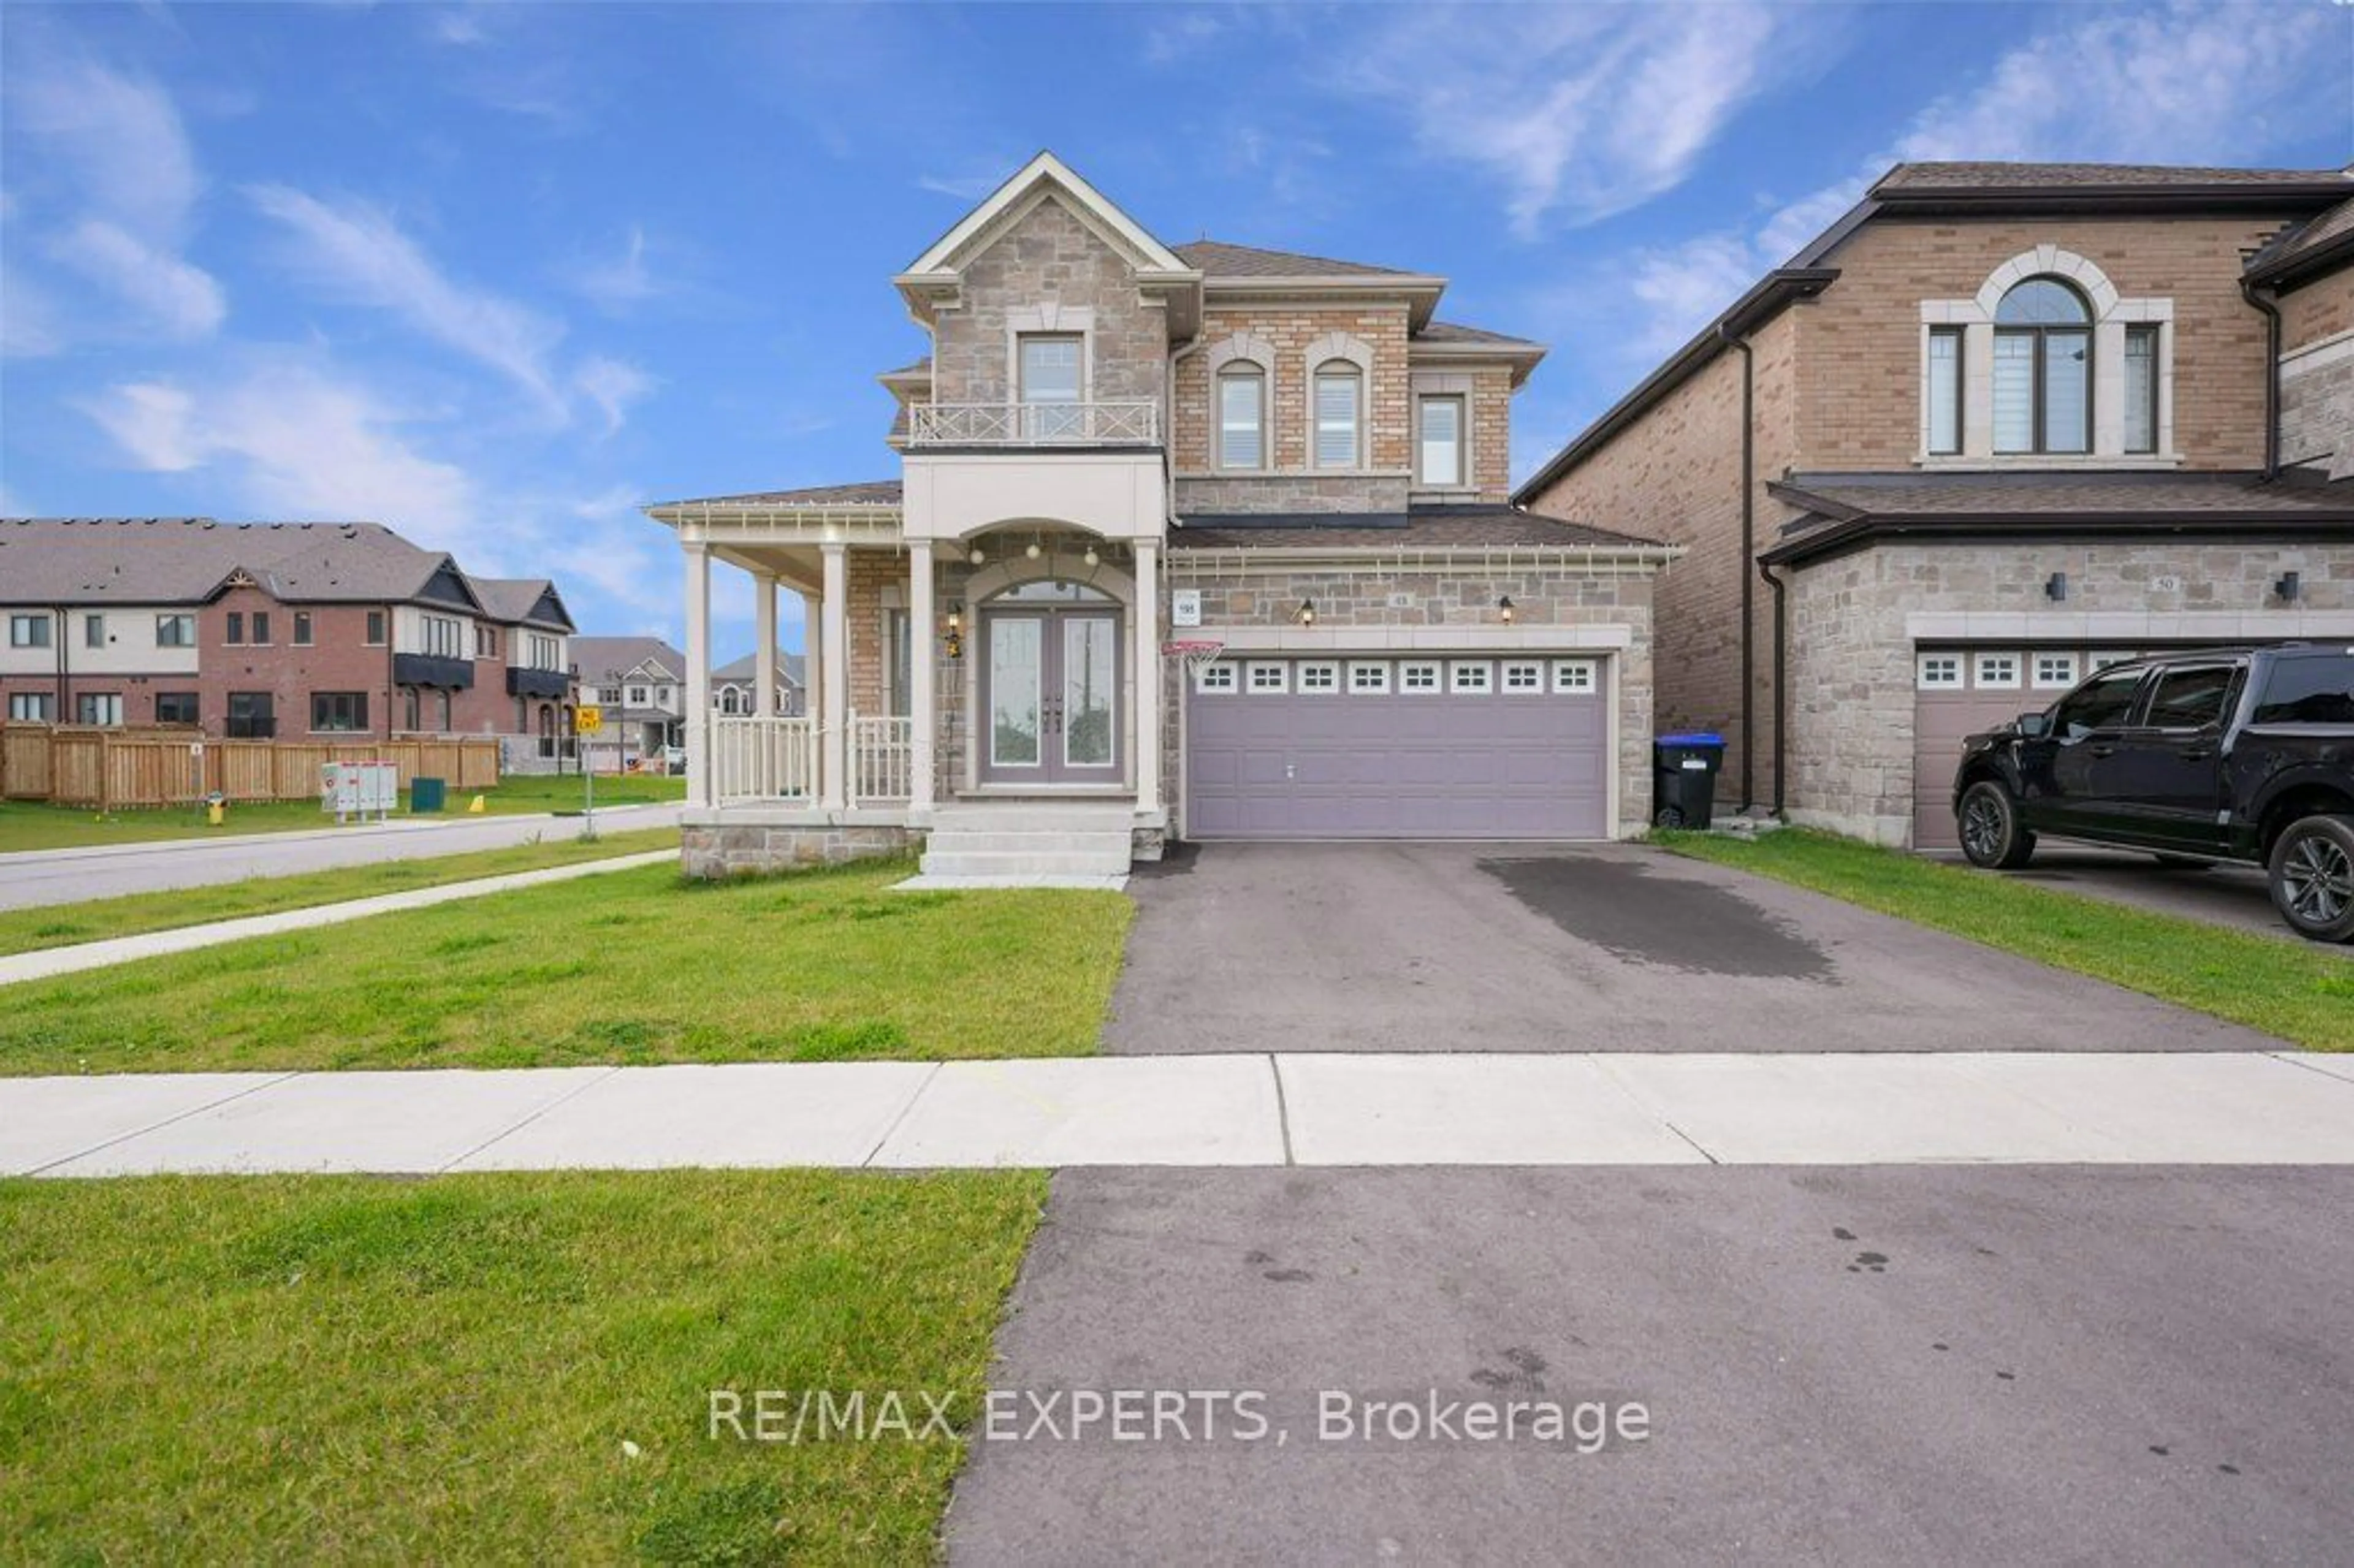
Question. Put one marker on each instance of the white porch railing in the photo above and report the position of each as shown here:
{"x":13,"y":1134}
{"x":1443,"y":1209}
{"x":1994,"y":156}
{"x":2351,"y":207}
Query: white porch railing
{"x":882,"y":759}
{"x":763,"y":758}
{"x":1134,"y":422}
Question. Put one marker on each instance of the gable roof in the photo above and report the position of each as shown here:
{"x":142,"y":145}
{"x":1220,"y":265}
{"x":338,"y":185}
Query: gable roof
{"x":2299,"y":254}
{"x":1218,"y":260}
{"x":188,"y":560}
{"x":597,"y":657}
{"x":865,"y":492}
{"x":1042,"y":174}
{"x":740,"y":672}
{"x":522,"y":602}
{"x":1951,"y":189}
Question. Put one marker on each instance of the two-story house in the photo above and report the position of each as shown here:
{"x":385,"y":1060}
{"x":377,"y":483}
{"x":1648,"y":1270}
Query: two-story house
{"x":279,"y":631}
{"x":736,"y":686}
{"x":639,"y":685}
{"x":1199,"y":539}
{"x":1997,"y":426}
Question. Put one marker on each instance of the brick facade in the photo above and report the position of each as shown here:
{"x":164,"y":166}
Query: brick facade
{"x":2317,"y":371}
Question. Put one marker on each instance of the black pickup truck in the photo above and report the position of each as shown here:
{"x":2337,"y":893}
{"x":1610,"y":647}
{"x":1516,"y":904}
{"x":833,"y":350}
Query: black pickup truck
{"x":2237,"y":754}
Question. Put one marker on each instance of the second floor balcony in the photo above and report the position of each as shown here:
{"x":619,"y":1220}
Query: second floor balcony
{"x":1132,"y":422}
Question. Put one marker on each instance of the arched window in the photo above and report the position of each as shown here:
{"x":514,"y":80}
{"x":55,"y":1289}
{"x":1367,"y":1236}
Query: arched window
{"x":1242,"y":416}
{"x":727,"y":699}
{"x":1339,"y":389}
{"x":2042,"y":369}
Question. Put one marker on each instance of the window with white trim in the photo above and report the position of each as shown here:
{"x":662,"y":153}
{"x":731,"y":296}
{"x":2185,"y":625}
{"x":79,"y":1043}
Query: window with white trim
{"x":1470,"y":677}
{"x":98,"y":708}
{"x":2055,"y":672}
{"x":1322,"y":675}
{"x":1242,"y":417}
{"x":1526,"y":676}
{"x":1439,"y":462}
{"x":176,"y":631}
{"x":29,"y":708}
{"x":444,"y":636}
{"x":2141,"y":387}
{"x":1269,"y":675}
{"x":1945,"y":390}
{"x":1215,"y":677}
{"x":28,"y":631}
{"x":1418,"y":675}
{"x":1994,"y":672}
{"x":1339,"y":394}
{"x":1573,"y":675}
{"x":1938,"y":672}
{"x":1369,"y":677}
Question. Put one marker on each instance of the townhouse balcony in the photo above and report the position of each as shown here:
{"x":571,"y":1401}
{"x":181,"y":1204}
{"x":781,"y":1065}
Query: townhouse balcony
{"x":432,"y":670}
{"x":1130,"y":422}
{"x":537,"y":683}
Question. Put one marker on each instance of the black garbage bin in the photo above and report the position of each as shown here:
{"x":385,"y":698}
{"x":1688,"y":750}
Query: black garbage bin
{"x":1683,"y":779}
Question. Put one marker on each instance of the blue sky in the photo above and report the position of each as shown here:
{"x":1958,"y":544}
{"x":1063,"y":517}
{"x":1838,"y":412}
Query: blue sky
{"x":498,"y":275}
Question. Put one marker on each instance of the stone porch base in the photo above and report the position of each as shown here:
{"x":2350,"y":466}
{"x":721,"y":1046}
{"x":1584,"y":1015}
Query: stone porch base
{"x":742,"y":841}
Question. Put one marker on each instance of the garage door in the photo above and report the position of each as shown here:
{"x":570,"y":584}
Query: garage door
{"x":1383,"y":748}
{"x":1960,"y":691}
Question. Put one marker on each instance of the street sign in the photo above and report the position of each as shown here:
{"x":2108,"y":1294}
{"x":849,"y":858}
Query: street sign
{"x":587,"y":719}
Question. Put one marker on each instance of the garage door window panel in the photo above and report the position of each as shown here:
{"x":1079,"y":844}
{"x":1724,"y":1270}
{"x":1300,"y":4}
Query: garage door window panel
{"x":1470,"y":677}
{"x":1939,"y":673}
{"x":1269,"y":677}
{"x":1995,"y":673}
{"x":1575,"y":676}
{"x":1369,"y":679}
{"x":2055,"y":672}
{"x":1418,"y":676}
{"x":1217,"y":679}
{"x":1524,"y":677}
{"x":1319,"y":677}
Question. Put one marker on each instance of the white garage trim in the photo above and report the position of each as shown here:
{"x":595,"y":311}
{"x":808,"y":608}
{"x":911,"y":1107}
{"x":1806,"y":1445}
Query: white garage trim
{"x":2128,"y":626}
{"x":1369,"y":640}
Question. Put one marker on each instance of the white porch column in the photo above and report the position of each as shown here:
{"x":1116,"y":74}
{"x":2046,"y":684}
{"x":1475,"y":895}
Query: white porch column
{"x":812,"y":660}
{"x":834,"y":705}
{"x":764,"y":661}
{"x":924,"y":719}
{"x":699,"y":790}
{"x":1145,"y":618}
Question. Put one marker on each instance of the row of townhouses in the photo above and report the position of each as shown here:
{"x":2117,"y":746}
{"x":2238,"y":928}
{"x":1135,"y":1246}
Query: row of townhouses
{"x":275,"y":631}
{"x":1220,"y":542}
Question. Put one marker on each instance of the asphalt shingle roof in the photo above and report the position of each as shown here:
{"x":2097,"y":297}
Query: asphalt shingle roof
{"x":1456,"y":331}
{"x":2062,"y":494}
{"x":1959,"y":176}
{"x":2305,"y":240}
{"x":1482,"y":527}
{"x":134,"y":560}
{"x":1219,"y":259}
{"x":513,"y":599}
{"x":741,"y":669}
{"x":595,"y":656}
{"x":869,"y":492}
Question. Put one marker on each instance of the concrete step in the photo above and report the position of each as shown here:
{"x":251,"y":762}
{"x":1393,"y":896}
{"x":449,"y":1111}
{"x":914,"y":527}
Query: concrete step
{"x":1025,"y":862}
{"x":1027,"y":815}
{"x":999,"y":841}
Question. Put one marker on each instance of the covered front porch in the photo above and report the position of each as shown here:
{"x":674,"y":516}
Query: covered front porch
{"x":994,"y":692}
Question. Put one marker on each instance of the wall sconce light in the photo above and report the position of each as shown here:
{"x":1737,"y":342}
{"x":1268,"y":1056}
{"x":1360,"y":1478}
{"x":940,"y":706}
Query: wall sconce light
{"x":2290,"y":584}
{"x":2055,"y":586}
{"x":954,"y":641}
{"x":977,"y":556}
{"x":1091,"y":559}
{"x":1306,"y":613}
{"x":1504,"y":609}
{"x":1033,"y":550}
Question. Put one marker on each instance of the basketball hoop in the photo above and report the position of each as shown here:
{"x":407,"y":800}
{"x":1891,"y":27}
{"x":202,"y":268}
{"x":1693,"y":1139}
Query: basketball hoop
{"x":1198,"y":652}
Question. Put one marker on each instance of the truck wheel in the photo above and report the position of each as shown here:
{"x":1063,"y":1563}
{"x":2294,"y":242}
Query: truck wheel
{"x":2313,"y":877}
{"x":1992,"y":834}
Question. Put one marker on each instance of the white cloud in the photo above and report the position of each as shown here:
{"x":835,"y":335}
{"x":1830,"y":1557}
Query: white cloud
{"x":1578,"y":112}
{"x":184,"y":302}
{"x":123,"y":194}
{"x":2187,"y":84}
{"x":358,"y":252}
{"x":291,"y":441}
{"x":978,"y":180}
{"x":616,"y":285}
{"x":612,"y":385}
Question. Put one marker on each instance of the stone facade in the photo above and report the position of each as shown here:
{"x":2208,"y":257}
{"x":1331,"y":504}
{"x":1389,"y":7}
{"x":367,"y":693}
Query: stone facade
{"x":1354,"y":609}
{"x":1046,"y":267}
{"x":747,"y":848}
{"x":2317,"y":371}
{"x":1676,"y":478}
{"x":1851,"y":672}
{"x":1293,"y":492}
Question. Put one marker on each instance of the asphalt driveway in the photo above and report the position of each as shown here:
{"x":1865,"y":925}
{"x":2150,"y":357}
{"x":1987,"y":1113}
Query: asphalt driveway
{"x":1430,"y":946}
{"x":1871,"y":1366}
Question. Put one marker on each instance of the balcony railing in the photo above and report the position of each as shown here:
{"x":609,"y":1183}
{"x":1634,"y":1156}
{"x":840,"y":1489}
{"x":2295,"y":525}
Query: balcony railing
{"x":882,"y":759}
{"x":763,"y":758}
{"x":1130,"y":423}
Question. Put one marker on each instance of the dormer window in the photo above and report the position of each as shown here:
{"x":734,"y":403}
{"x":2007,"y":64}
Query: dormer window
{"x":1340,"y":391}
{"x":2042,"y":369}
{"x":1242,"y":417}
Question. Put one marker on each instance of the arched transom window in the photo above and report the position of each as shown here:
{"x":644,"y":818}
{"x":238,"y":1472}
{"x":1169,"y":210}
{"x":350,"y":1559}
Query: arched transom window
{"x":2042,"y":369}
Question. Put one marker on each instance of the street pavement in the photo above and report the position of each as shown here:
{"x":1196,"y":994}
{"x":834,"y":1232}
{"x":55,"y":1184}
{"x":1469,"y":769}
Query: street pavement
{"x":1871,"y":1366}
{"x":67,"y":876}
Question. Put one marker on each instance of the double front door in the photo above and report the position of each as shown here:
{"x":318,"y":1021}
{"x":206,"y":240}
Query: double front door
{"x":1050,"y":695}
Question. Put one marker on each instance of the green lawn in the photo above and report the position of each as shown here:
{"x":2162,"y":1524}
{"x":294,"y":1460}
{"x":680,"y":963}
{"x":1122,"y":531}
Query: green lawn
{"x":632,"y":966}
{"x":60,"y":925}
{"x":33,"y":826}
{"x":346,"y":1369}
{"x":2298,"y":993}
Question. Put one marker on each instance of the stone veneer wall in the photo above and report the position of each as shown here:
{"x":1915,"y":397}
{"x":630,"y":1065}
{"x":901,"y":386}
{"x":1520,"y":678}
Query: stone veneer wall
{"x":2317,"y":411}
{"x":1293,"y":493}
{"x":747,"y":848}
{"x":1851,"y":663}
{"x":1358,"y":600}
{"x":1049,"y":256}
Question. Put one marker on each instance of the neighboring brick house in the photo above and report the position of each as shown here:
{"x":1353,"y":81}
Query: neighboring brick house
{"x":1117,"y":445}
{"x":269,"y":630}
{"x":2003,"y":422}
{"x":639,"y":683}
{"x":736,"y":685}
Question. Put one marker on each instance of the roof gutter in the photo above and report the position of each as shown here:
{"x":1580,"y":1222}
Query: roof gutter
{"x":1854,"y":533}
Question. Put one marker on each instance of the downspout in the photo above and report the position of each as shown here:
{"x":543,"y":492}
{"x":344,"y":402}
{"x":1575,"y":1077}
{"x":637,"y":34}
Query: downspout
{"x":2256,"y":296}
{"x":65,"y":702}
{"x":1169,"y":412}
{"x":1748,"y":588}
{"x":1781,"y":682}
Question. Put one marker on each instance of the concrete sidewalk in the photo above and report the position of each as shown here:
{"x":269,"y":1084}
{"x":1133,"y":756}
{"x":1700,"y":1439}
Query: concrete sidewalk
{"x":2250,"y":1108}
{"x":48,"y":962}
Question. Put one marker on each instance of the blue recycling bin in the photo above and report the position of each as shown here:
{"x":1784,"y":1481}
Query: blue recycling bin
{"x":1683,"y":779}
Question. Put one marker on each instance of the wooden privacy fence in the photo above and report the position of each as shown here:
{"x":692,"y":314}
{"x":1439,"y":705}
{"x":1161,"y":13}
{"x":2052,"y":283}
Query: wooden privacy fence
{"x":109,"y":768}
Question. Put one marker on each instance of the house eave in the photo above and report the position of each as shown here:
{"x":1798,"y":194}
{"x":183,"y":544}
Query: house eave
{"x":1864,"y":530}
